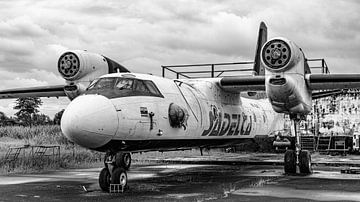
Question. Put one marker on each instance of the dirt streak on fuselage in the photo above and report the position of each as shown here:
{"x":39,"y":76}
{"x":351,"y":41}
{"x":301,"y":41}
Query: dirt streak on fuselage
{"x":212,"y":112}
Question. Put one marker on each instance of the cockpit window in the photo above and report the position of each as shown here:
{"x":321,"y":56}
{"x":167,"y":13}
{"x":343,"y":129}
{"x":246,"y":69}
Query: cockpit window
{"x":124,"y":84}
{"x":152,"y":88}
{"x":139,"y":86}
{"x":113,"y":87}
{"x":93,"y":83}
{"x":103,"y":83}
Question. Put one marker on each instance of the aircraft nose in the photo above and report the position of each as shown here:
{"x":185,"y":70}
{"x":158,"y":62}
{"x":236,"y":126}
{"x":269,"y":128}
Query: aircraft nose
{"x":90,"y":121}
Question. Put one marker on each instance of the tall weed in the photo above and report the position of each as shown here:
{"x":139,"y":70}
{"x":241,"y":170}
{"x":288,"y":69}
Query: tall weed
{"x":71,"y":155}
{"x":39,"y":135}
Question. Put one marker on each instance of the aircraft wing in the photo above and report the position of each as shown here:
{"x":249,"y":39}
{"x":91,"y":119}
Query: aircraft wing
{"x":327,"y":93}
{"x":322,"y":85}
{"x":333,"y":81}
{"x":243,"y":83}
{"x":43,"y":91}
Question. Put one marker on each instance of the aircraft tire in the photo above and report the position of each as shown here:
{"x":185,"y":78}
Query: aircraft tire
{"x":104,"y":179}
{"x":123,"y":160}
{"x":119,"y":176}
{"x":305,"y":162}
{"x":290,"y":162}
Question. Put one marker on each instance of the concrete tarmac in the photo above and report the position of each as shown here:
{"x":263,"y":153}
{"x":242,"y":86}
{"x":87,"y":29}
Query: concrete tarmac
{"x":186,"y":182}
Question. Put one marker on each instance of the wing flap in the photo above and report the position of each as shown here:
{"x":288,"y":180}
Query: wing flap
{"x":243,"y":83}
{"x":42,"y":91}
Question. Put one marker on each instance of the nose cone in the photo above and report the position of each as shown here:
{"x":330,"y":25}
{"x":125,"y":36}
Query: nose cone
{"x":90,"y":121}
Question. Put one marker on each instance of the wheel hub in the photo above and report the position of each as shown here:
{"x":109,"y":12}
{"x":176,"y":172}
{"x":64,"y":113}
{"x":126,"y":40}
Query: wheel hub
{"x":123,"y":179}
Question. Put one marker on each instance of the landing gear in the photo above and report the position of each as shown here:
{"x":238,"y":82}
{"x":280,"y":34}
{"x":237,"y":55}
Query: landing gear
{"x":104,"y":179}
{"x":115,"y":170}
{"x":123,"y":160}
{"x":301,"y":158}
{"x":305,"y":162}
{"x":290,"y":161}
{"x":119,"y":176}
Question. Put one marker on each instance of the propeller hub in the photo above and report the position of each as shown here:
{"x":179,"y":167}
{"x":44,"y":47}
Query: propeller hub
{"x":69,"y":65}
{"x":275,"y":54}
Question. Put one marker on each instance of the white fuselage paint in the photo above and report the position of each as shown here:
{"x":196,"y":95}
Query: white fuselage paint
{"x":201,"y":98}
{"x":212,"y":114}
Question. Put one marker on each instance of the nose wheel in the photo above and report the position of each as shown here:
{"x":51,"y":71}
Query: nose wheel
{"x":298,"y":157}
{"x":113,"y":177}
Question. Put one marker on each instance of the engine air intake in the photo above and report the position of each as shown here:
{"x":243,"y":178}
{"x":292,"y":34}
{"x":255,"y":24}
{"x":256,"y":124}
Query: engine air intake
{"x":276,"y":54}
{"x":278,"y":81}
{"x":68,"y":65}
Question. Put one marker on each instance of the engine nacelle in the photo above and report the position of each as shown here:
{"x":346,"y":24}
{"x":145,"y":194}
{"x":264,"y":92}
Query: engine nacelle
{"x":80,"y":68}
{"x":285,"y":82}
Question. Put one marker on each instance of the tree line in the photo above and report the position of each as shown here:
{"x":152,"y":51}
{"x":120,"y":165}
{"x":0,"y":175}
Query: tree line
{"x":28,"y":114}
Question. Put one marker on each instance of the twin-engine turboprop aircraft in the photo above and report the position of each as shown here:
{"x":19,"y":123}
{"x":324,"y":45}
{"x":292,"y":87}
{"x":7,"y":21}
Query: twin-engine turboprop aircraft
{"x":119,"y":112}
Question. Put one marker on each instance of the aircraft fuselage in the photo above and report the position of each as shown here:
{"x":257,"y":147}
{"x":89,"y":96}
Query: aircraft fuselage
{"x":179,"y":114}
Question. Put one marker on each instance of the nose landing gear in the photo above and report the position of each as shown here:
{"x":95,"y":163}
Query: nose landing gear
{"x":300,"y":158}
{"x":123,"y":160}
{"x":114,"y":177}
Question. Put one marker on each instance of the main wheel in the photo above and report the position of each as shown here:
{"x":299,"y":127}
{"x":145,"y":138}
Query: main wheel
{"x":123,"y":160}
{"x":305,"y":162}
{"x":104,"y":179}
{"x":119,"y":176}
{"x":290,"y":162}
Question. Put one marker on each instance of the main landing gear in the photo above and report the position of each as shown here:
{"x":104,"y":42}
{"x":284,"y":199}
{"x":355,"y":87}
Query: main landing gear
{"x":300,"y":158}
{"x":115,"y":169}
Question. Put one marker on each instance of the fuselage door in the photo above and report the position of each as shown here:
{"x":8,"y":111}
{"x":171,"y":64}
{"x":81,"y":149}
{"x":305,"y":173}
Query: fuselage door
{"x":193,"y":105}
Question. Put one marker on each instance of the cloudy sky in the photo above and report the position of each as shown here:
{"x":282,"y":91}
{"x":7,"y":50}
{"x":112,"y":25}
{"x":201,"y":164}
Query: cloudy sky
{"x":142,"y":35}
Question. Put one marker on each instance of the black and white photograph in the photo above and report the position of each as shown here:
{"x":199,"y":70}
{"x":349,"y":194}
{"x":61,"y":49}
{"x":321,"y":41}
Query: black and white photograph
{"x":183,"y":100}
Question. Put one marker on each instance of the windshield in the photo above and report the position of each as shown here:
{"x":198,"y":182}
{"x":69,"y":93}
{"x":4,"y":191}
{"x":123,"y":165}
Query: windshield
{"x":103,"y":83}
{"x":113,"y":87}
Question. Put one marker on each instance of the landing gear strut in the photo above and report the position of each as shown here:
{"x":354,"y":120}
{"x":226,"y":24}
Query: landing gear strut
{"x":300,"y":158}
{"x":115,"y":169}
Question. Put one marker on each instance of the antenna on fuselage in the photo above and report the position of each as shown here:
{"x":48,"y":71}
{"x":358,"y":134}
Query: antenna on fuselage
{"x":262,"y":38}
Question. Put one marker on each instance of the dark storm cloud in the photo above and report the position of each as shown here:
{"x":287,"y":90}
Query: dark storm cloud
{"x":146,"y":34}
{"x":132,"y":30}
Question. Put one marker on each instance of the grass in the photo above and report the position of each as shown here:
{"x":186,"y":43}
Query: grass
{"x":47,"y":134}
{"x":71,"y":156}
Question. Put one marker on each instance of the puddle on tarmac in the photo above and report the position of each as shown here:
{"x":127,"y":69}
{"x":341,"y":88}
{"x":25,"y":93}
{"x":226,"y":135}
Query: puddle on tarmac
{"x":176,"y":166}
{"x":136,"y":176}
{"x":282,"y":192}
{"x":178,"y":196}
{"x":181,"y":196}
{"x":20,"y":180}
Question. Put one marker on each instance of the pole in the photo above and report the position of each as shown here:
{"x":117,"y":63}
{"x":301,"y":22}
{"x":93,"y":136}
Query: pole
{"x":212,"y":70}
